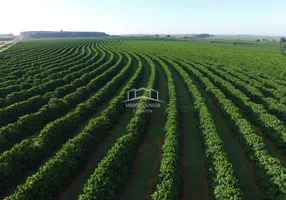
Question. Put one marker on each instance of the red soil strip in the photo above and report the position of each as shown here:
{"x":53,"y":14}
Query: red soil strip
{"x":160,"y":141}
{"x":8,"y":192}
{"x":134,"y":172}
{"x":259,"y":131}
{"x":152,"y":181}
{"x":67,"y":191}
{"x":70,"y":187}
{"x":185,"y":163}
{"x":186,"y":172}
{"x":112,"y":133}
{"x":93,"y":159}
{"x":23,"y":179}
{"x":250,"y":168}
{"x":159,"y":122}
{"x":166,"y":89}
{"x":213,"y":104}
{"x":281,"y":157}
{"x":204,"y":171}
{"x":73,"y":134}
{"x":184,"y":160}
{"x":141,"y":149}
{"x":111,"y":136}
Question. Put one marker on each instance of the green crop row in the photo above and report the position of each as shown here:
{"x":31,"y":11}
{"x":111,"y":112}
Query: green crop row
{"x":70,"y":159}
{"x":225,"y":185}
{"x":168,"y":185}
{"x":271,"y":173}
{"x":112,"y":172}
{"x":26,"y":125}
{"x":56,"y":132}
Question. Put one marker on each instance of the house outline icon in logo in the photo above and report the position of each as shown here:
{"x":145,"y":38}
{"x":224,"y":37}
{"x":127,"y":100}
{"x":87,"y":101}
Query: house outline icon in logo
{"x":136,"y":97}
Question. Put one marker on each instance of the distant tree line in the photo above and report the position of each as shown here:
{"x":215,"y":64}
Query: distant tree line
{"x":54,"y":34}
{"x":283,"y":46}
{"x":265,"y":40}
{"x":202,"y":35}
{"x":6,"y":37}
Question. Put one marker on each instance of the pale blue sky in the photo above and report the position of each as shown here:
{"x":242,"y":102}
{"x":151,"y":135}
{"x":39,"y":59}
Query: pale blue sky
{"x":259,"y":17}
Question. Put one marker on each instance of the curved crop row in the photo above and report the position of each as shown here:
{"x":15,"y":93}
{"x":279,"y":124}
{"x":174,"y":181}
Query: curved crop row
{"x":26,"y":125}
{"x":268,"y":92}
{"x":68,"y":62}
{"x":112,"y":171}
{"x":169,"y":179}
{"x":22,"y":72}
{"x":32,"y":50}
{"x":272,"y":106}
{"x":225,"y":184}
{"x":55,"y":133}
{"x":271,"y":173}
{"x":14,"y":111}
{"x":29,"y":57}
{"x":272,"y":127}
{"x":72,"y":157}
{"x":46,"y":49}
{"x":33,"y":67}
{"x":48,"y":68}
{"x":37,"y":89}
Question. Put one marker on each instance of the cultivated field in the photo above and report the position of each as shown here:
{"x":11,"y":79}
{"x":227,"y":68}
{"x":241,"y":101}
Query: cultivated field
{"x":65,"y":132}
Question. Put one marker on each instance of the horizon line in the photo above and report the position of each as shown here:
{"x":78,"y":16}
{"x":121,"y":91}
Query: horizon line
{"x":123,"y":34}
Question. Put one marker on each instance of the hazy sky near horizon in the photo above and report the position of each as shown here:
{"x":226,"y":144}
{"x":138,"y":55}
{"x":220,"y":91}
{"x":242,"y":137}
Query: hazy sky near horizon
{"x":257,"y":17}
